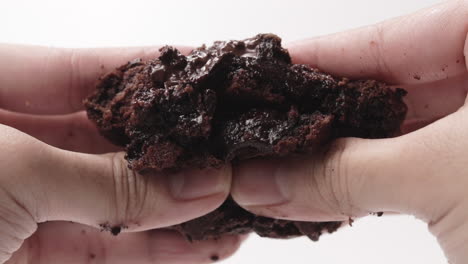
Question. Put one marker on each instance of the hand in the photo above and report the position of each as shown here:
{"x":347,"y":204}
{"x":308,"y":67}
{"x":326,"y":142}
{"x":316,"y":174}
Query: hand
{"x":424,"y":172}
{"x":60,"y":174}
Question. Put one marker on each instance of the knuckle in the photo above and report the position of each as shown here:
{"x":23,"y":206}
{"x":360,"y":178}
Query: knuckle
{"x":377,"y":48}
{"x":16,"y":224}
{"x":374,"y":45}
{"x":130,"y":190}
{"x":336,"y":174}
{"x":74,"y":79}
{"x":21,"y":160}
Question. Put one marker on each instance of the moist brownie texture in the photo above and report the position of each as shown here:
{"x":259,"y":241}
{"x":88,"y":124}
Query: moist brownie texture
{"x":232,"y":101}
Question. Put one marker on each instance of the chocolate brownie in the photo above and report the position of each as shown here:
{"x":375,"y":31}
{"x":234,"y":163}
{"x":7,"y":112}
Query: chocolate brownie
{"x":232,"y":219}
{"x":232,"y":101}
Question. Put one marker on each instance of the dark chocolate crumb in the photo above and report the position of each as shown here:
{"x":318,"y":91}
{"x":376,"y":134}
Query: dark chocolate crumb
{"x":379,"y":214}
{"x":417,"y":77}
{"x":351,"y":221}
{"x":104,"y":227}
{"x":214,"y":257}
{"x":115,"y":230}
{"x":92,"y":256}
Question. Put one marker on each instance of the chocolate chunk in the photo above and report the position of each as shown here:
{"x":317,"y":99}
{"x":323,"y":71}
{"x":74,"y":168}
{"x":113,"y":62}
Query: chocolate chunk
{"x":232,"y":101}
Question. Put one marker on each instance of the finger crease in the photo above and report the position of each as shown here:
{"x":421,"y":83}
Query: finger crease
{"x":382,"y":68}
{"x":74,"y":74}
{"x":34,"y":218}
{"x":144,"y":193}
{"x":115,"y":181}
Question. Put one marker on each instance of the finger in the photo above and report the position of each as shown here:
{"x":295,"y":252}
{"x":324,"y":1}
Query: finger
{"x":76,"y":133}
{"x":44,"y":80}
{"x":72,"y":132}
{"x":422,"y":47}
{"x":355,"y":177}
{"x":101,"y":191}
{"x":414,"y":124}
{"x":61,"y":242}
{"x":425,"y":100}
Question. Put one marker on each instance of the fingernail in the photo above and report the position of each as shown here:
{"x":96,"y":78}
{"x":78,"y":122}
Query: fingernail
{"x":195,"y":184}
{"x":260,"y":183}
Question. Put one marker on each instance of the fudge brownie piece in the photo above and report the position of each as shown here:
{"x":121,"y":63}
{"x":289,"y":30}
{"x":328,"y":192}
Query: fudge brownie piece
{"x":231,"y":101}
{"x":232,"y":219}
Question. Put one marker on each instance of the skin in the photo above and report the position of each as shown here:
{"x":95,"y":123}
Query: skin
{"x":53,"y":169}
{"x":58,"y":190}
{"x":423,"y":172}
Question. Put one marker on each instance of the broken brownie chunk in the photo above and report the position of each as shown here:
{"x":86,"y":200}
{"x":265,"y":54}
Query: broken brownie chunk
{"x":231,"y":101}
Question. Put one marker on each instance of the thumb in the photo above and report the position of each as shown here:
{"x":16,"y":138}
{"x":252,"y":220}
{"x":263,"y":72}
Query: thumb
{"x":421,"y":173}
{"x":97,"y":190}
{"x":47,"y":184}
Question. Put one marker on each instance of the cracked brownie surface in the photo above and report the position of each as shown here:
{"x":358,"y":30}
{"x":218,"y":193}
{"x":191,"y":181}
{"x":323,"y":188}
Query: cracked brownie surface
{"x":231,"y":101}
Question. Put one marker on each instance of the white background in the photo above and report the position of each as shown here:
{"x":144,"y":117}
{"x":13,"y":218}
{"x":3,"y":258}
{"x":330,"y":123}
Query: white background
{"x":391,"y":239}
